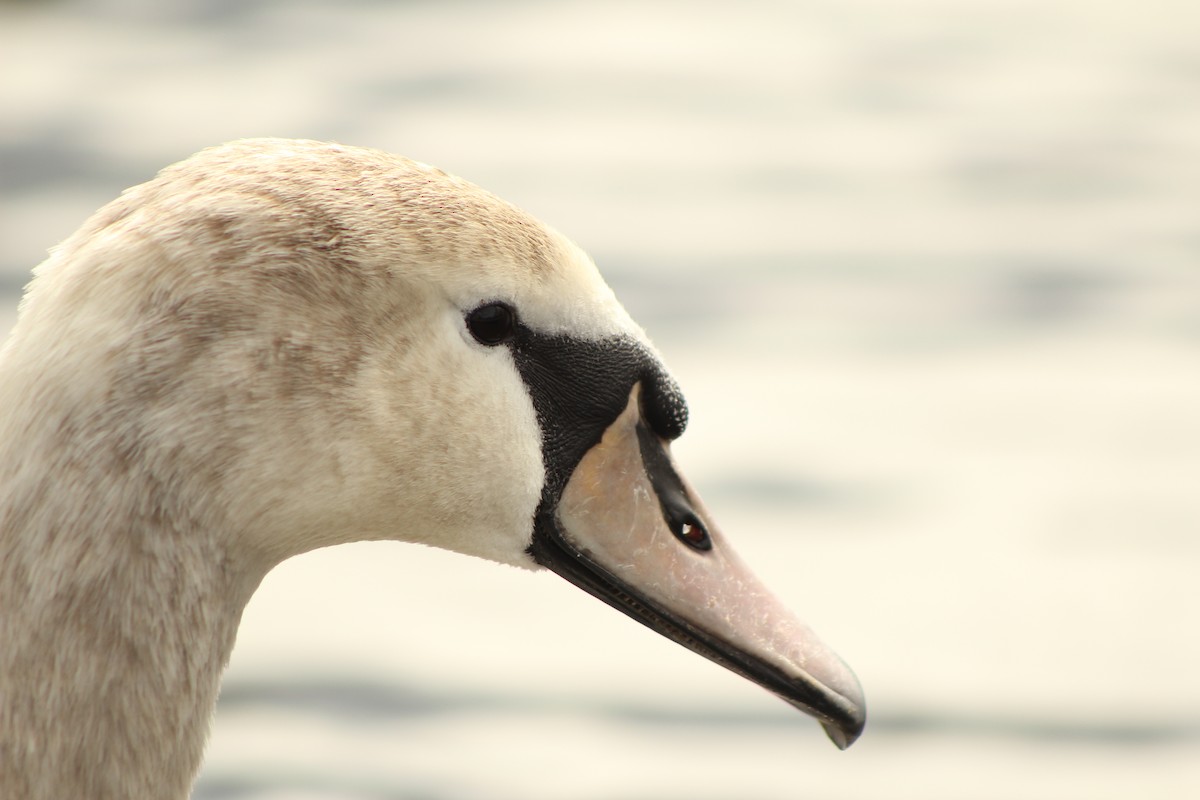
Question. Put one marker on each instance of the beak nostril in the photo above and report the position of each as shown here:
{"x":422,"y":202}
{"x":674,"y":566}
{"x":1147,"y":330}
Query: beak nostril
{"x":693,"y":534}
{"x":677,"y":508}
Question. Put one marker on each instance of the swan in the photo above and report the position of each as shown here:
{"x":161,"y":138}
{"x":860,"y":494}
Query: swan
{"x":278,"y":345}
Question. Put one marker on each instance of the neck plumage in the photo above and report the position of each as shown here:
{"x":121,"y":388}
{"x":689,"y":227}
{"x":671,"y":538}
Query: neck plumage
{"x":118,"y":611}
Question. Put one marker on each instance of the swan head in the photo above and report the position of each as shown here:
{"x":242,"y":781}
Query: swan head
{"x":299,"y":344}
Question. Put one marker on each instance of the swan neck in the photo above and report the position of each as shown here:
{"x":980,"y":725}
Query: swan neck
{"x":117,"y":620}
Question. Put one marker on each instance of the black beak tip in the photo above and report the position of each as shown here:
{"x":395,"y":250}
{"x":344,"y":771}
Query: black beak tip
{"x":841,"y":736}
{"x":841,"y":719}
{"x":845,"y":727}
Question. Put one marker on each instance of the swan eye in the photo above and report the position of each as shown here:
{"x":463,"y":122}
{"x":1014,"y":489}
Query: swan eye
{"x":492,"y":324}
{"x":693,"y":534}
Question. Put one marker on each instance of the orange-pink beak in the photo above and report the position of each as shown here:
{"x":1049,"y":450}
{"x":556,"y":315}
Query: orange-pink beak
{"x":630,"y":530}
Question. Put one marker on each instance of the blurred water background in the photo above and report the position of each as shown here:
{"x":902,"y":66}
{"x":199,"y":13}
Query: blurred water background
{"x":929,"y":273}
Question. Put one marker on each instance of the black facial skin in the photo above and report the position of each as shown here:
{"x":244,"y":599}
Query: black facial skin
{"x":580,"y":387}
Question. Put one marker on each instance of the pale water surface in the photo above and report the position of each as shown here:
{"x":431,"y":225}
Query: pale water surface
{"x":929,"y":273}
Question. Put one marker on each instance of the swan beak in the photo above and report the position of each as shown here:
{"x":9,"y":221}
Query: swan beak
{"x":631,"y":531}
